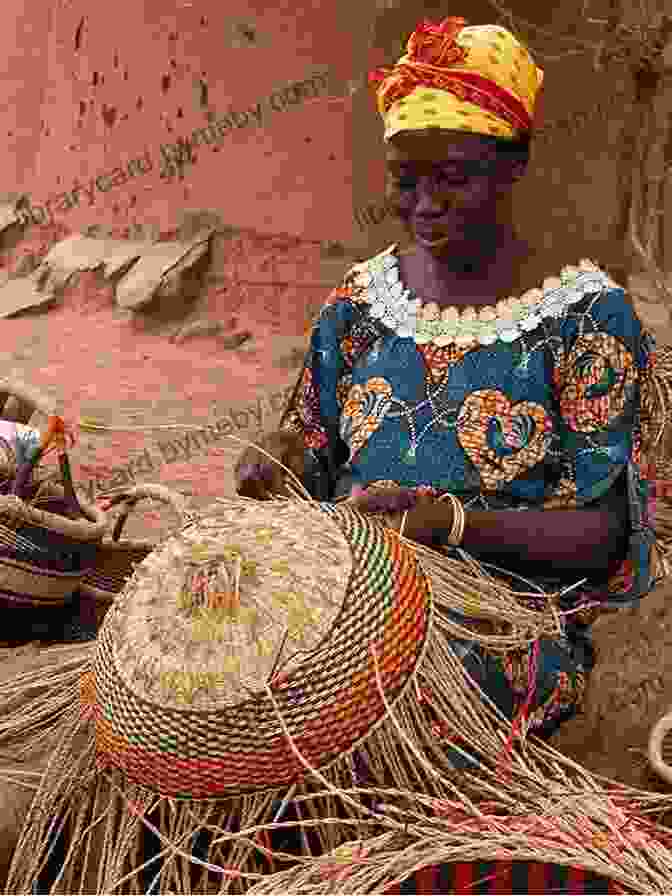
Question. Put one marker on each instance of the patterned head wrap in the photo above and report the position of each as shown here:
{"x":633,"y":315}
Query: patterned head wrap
{"x":478,"y":79}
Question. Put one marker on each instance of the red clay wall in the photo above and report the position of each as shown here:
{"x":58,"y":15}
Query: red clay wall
{"x":243,"y":108}
{"x":98,"y":98}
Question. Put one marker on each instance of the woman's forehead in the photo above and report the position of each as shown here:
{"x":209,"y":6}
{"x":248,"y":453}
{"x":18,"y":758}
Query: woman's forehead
{"x":439,"y":147}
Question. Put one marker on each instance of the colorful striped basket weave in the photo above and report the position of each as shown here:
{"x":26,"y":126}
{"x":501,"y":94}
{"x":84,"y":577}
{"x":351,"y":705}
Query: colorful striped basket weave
{"x":504,"y":877}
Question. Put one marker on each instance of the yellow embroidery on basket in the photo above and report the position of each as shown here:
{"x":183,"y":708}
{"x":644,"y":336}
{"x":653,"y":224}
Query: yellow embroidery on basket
{"x":212,"y":624}
{"x":299,"y":616}
{"x":264,"y":647}
{"x":183,"y":685}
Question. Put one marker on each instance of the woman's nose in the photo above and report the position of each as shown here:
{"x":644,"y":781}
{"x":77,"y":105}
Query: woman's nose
{"x":431,"y":200}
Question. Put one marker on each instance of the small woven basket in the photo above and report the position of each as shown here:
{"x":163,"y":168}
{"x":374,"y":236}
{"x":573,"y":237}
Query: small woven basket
{"x":117,"y":558}
{"x":48,"y":539}
{"x":44,"y":554}
{"x":22,"y":403}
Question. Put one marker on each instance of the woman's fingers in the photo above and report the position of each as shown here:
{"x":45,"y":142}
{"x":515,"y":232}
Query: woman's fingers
{"x":259,"y":479}
{"x":384,"y":501}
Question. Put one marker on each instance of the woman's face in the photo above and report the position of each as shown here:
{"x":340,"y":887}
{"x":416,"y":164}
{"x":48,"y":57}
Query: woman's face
{"x":448,"y":188}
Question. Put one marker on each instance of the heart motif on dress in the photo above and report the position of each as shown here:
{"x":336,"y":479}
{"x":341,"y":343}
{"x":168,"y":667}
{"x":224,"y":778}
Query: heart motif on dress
{"x":502,"y":440}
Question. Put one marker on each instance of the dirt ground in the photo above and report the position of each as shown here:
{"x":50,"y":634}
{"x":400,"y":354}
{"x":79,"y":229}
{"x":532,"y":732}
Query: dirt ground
{"x":630,"y":689}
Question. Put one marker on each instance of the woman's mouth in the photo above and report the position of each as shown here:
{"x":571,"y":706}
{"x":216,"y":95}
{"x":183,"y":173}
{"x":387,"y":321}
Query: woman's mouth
{"x":428,"y":231}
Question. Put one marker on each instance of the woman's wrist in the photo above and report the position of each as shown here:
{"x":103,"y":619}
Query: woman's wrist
{"x":431,"y":523}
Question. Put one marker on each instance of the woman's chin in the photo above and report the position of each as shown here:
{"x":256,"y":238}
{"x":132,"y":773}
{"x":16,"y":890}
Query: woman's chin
{"x":437,"y":245}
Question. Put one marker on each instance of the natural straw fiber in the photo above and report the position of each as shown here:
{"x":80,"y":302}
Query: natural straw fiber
{"x":116,"y":557}
{"x":22,"y":762}
{"x":247,"y":659}
{"x":538,"y":808}
{"x":33,"y":541}
{"x":23,"y":403}
{"x":578,"y":826}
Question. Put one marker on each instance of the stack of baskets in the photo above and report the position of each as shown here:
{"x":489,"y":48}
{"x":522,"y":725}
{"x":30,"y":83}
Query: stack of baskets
{"x":54,"y":556}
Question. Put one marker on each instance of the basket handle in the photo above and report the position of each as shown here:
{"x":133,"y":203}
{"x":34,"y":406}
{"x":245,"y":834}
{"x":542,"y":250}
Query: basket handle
{"x":131,"y":496}
{"x":23,"y":392}
{"x":656,"y":761}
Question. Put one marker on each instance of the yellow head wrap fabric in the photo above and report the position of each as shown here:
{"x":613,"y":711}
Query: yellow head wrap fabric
{"x":479,"y":79}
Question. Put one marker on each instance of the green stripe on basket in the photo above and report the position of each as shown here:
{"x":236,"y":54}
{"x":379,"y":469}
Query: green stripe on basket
{"x":370,"y":550}
{"x":168,"y":743}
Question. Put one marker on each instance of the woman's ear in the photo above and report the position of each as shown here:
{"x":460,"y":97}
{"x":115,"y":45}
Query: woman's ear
{"x":518,"y":169}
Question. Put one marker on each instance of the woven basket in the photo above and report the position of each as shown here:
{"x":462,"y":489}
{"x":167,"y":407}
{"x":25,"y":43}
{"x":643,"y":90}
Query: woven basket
{"x":660,"y":748}
{"x":44,"y":554}
{"x":22,"y":403}
{"x":218,"y":656}
{"x":504,"y":877}
{"x":117,"y":558}
{"x":48,"y":539}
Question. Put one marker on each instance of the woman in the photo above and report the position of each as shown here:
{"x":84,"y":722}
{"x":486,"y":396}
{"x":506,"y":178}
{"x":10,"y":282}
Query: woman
{"x":447,"y":371}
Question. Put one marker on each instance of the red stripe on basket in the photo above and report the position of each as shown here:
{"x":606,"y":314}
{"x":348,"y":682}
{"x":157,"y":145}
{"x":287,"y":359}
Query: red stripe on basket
{"x":428,"y":879}
{"x":463,"y":878}
{"x":576,"y":880}
{"x":537,"y":877}
{"x":502,"y":878}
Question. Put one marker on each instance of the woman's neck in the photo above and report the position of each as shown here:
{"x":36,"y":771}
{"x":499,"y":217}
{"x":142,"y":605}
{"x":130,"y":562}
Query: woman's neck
{"x":462,"y":279}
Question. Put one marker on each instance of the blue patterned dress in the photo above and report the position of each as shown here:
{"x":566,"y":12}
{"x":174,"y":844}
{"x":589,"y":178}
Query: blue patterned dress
{"x":539,"y":402}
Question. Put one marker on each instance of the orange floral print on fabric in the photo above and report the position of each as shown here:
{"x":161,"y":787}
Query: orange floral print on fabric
{"x":363,"y":412}
{"x":306,"y":412}
{"x":592,"y":382}
{"x":438,"y":359}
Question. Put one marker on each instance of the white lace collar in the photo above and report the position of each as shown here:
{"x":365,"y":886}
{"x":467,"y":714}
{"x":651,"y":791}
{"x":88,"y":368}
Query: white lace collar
{"x":398,"y":309}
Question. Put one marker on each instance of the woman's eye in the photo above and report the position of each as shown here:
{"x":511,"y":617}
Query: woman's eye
{"x":453,"y":180}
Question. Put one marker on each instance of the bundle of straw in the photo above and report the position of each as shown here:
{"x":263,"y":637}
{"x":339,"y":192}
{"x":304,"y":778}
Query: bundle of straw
{"x":542,"y":811}
{"x":411,"y":718}
{"x":23,"y":672}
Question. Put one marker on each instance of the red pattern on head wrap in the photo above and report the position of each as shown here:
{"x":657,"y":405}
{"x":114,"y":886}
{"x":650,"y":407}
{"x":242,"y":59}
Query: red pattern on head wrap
{"x":431,"y":53}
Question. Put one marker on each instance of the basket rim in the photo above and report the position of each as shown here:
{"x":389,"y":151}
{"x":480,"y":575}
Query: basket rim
{"x":91,"y":529}
{"x":655,"y":748}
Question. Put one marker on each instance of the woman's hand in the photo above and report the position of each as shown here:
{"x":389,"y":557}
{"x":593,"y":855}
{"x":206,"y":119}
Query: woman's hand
{"x":384,"y":500}
{"x":258,"y":477}
{"x":425,"y":518}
